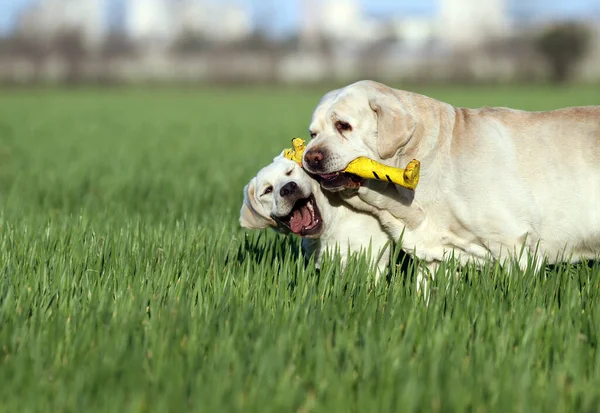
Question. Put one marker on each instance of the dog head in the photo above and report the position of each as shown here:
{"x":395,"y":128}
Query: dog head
{"x":363,"y":119}
{"x":284,"y":197}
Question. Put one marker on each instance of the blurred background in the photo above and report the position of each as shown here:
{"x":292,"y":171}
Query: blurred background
{"x":298,"y":41}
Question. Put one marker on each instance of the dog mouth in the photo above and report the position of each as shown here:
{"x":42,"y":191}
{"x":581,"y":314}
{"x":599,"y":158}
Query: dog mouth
{"x":304,"y":219}
{"x":337,"y":181}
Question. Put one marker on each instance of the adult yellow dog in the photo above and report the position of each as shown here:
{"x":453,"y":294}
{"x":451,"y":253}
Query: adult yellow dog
{"x":492,"y":179}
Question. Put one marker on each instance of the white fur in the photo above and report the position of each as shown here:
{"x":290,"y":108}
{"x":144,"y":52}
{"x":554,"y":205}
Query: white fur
{"x":345,"y":230}
{"x":492,"y":179}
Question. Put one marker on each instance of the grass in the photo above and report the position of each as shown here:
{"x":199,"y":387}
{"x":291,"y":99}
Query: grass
{"x":128,"y":286}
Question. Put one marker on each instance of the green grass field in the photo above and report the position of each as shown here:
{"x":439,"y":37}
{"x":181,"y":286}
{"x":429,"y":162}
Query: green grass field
{"x":128,"y":286}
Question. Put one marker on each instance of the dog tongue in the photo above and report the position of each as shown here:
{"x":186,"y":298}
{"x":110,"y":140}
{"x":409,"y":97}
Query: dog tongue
{"x":301,"y":218}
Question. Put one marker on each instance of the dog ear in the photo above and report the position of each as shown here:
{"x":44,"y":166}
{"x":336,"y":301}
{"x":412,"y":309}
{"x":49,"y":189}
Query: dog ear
{"x":250,"y":217}
{"x":395,"y":126}
{"x":250,"y":220}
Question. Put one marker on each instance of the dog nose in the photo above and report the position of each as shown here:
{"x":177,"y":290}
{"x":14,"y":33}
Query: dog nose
{"x":313,"y":158}
{"x":288,"y":189}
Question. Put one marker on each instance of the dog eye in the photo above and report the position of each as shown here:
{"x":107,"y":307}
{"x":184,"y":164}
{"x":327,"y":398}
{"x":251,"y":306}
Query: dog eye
{"x":268,"y":190}
{"x":312,"y":135}
{"x":288,"y":173}
{"x":342,"y":126}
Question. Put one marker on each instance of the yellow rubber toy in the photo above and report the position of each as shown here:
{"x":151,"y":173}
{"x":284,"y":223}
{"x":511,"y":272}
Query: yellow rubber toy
{"x":367,"y":168}
{"x":296,"y":151}
{"x":370,"y":169}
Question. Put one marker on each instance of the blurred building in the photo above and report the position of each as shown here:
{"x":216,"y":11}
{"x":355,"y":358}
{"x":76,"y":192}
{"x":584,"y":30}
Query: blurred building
{"x":220,"y":40}
{"x":226,"y":21}
{"x":148,"y":20}
{"x":468,"y":23}
{"x":415,"y":33}
{"x":164,"y":21}
{"x":308,"y":32}
{"x":47,"y":18}
{"x":191,"y":16}
{"x":338,"y":21}
{"x":344,"y":20}
{"x":457,"y":24}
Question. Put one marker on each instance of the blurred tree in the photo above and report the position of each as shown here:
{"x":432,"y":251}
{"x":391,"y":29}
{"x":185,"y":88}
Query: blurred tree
{"x":28,"y":48}
{"x":69,"y":45}
{"x":291,"y":43}
{"x":563,"y":46}
{"x":117,"y":45}
{"x":190,"y":43}
{"x":373,"y":54}
{"x":261,"y":43}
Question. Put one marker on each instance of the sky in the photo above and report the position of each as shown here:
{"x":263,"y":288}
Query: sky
{"x":8,"y":12}
{"x":282,"y":15}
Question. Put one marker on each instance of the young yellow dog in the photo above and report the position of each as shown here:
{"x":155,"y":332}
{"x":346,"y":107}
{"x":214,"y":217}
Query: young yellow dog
{"x":284,"y":197}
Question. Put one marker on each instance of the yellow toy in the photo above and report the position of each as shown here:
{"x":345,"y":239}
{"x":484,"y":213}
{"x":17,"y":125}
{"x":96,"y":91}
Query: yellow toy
{"x":366,"y":168}
{"x":296,"y":151}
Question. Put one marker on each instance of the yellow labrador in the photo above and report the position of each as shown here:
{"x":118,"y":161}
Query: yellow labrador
{"x":493,"y":180}
{"x":284,"y":197}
